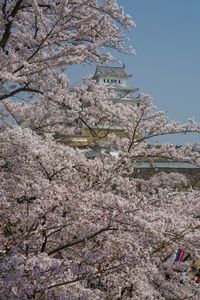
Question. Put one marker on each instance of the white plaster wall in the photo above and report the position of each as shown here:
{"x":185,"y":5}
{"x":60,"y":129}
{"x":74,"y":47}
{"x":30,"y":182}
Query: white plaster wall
{"x":120,"y":93}
{"x":123,"y":82}
{"x":101,"y":81}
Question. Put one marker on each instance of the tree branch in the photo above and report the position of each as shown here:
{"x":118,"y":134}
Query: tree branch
{"x":7,"y":31}
{"x":24,"y":88}
{"x":135,"y":130}
{"x":85,"y":277}
{"x":89,"y":237}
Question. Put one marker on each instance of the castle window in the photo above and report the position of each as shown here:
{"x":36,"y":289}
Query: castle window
{"x":108,"y":80}
{"x":104,"y":80}
{"x":119,"y":81}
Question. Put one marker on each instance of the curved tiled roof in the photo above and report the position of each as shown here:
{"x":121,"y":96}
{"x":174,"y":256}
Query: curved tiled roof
{"x":113,"y":71}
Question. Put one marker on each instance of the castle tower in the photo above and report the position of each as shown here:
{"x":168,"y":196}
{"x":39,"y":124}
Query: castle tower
{"x":116,"y":80}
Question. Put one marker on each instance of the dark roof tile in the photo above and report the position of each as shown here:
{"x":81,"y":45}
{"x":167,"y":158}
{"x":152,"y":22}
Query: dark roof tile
{"x":114,"y":71}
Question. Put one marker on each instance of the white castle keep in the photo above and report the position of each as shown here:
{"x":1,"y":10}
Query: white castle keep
{"x":116,"y":80}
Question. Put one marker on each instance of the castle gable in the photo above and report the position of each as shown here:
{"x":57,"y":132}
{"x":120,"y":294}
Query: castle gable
{"x":105,"y":71}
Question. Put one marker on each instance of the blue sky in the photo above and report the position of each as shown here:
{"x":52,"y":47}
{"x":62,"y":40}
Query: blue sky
{"x":167,"y":63}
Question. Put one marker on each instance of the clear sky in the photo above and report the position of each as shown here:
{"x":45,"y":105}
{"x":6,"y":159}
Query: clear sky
{"x":167,"y":63}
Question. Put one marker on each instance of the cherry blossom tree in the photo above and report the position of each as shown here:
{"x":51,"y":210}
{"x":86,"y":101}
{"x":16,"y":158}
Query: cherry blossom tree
{"x":72,"y":227}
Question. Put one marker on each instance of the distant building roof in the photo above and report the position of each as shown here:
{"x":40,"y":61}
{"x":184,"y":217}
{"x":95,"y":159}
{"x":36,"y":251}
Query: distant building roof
{"x":115,"y":86}
{"x":114,"y":71}
{"x":165,"y":165}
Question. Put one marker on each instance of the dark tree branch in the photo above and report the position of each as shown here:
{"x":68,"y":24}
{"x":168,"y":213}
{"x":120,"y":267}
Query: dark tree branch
{"x":36,"y":28}
{"x":21,"y":89}
{"x":7,"y":31}
{"x":167,"y":133}
{"x":135,"y":130}
{"x":89,"y":237}
{"x":39,"y":46}
{"x":24,"y":88}
{"x":4,"y":7}
{"x":47,"y":125}
{"x":44,"y":171}
{"x":84,"y":277}
{"x":92,"y":131}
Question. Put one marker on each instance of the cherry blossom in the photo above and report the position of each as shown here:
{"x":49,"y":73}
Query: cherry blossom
{"x":73,"y":227}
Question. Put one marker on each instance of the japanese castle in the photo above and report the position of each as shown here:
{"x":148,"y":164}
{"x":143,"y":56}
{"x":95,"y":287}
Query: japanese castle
{"x":116,"y":80}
